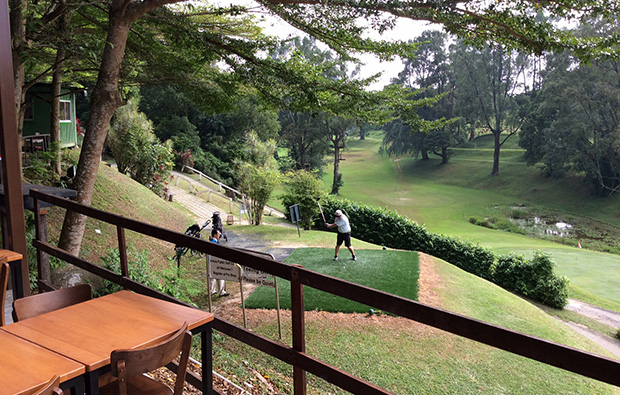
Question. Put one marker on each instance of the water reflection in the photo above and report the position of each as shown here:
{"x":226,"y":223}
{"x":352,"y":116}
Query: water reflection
{"x":544,"y":226}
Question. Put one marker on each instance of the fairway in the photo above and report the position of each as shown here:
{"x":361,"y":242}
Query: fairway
{"x":442,"y":198}
{"x":395,"y":272}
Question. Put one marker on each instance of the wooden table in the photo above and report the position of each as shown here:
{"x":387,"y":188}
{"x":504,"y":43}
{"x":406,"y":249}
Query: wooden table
{"x":25,"y":365}
{"x":15,"y":263}
{"x":89,"y":331}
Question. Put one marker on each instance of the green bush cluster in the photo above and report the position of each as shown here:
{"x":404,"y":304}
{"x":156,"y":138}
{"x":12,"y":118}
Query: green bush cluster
{"x":531,"y":278}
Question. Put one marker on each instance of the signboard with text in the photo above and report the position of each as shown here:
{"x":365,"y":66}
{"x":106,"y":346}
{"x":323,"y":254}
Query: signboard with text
{"x":222,"y":269}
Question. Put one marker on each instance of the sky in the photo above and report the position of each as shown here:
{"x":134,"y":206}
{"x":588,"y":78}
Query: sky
{"x":404,"y":30}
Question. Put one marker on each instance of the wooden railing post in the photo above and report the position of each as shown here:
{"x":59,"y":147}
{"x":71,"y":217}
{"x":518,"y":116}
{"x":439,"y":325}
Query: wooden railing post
{"x":43,"y":260}
{"x":122,"y":251}
{"x":299,"y":329}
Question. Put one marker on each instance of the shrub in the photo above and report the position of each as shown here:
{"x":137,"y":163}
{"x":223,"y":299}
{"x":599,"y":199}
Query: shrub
{"x":169,"y":280}
{"x":304,"y":188}
{"x":532,"y":278}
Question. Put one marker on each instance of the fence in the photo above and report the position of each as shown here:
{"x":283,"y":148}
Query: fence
{"x":574,"y":360}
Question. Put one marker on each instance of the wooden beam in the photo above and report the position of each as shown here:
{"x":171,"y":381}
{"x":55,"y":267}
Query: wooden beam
{"x":9,"y":149}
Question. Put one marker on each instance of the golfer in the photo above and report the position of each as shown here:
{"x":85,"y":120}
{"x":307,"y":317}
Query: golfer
{"x":344,"y":233}
{"x":217,"y":286}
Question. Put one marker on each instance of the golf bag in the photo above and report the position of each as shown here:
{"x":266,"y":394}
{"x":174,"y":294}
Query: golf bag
{"x":217,"y":224}
{"x":194,"y":231}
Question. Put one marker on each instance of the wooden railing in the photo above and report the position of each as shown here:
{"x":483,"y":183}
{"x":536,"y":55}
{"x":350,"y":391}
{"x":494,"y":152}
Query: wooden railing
{"x":571,"y":359}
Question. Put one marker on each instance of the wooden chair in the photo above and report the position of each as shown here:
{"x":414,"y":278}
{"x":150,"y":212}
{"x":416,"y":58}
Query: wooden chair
{"x":129,"y":366}
{"x":34,"y":305}
{"x":4,"y":280}
{"x":52,"y":387}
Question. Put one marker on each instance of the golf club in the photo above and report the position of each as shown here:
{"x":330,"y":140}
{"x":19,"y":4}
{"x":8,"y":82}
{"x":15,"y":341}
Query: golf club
{"x":319,"y":203}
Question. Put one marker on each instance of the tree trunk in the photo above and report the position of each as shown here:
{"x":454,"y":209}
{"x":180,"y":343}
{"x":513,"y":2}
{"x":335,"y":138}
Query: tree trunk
{"x":335,"y":183}
{"x":424,"y":153}
{"x":444,"y":155}
{"x":496,"y":136}
{"x":62,"y":27}
{"x":104,"y":102}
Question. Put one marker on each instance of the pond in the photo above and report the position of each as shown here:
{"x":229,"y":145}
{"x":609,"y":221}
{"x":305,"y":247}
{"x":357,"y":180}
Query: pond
{"x":542,"y":226}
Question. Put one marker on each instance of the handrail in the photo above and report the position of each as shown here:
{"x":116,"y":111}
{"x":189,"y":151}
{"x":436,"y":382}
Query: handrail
{"x":213,"y":180}
{"x":558,"y":355}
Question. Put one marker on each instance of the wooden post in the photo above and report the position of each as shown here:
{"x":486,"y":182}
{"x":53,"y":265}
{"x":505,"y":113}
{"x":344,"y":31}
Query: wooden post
{"x":43,"y":260}
{"x":299,"y":329}
{"x":10,"y":151}
{"x":122,"y":251}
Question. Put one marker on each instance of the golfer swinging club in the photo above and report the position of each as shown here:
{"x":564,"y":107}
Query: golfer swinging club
{"x":344,"y":233}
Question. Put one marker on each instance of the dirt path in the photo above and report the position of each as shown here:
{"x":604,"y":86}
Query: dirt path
{"x":606,"y":317}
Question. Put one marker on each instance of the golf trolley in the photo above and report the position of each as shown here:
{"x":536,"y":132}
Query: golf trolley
{"x":196,"y":231}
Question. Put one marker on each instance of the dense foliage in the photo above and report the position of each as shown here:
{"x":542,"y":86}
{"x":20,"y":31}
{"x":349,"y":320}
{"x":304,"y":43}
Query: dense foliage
{"x":577,"y":136}
{"x":137,"y":151}
{"x":258,"y":174}
{"x":531,"y":278}
{"x":304,"y":188}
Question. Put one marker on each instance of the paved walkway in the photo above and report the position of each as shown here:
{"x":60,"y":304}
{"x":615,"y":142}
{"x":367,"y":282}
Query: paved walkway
{"x":201,"y":209}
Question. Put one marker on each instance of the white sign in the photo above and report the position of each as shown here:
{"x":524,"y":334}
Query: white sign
{"x":253,"y":276}
{"x":222,"y":269}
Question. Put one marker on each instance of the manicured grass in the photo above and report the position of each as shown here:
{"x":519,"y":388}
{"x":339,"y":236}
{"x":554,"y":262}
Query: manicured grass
{"x":395,"y":272}
{"x":443,"y":197}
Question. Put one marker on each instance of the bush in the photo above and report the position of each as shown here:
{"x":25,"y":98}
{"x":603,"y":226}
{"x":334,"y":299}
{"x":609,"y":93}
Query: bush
{"x":136,"y":149}
{"x":169,"y":280}
{"x":531,"y":278}
{"x":304,"y":188}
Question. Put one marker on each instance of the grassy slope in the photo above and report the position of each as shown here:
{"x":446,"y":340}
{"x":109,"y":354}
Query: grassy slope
{"x":119,"y":194}
{"x":444,"y":197}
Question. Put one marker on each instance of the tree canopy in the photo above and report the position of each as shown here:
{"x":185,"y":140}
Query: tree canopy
{"x":164,"y":40}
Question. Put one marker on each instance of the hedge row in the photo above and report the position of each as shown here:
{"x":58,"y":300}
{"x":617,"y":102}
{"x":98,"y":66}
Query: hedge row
{"x":531,"y":278}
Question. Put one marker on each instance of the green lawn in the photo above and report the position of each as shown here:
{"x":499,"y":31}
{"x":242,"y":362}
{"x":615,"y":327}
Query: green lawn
{"x":444,"y":197}
{"x":395,"y":272}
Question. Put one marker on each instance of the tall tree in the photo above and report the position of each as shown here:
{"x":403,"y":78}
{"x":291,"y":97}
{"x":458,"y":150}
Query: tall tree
{"x":303,"y":133}
{"x":488,"y":81}
{"x":105,"y":99}
{"x":429,"y":72}
{"x":258,"y":174}
{"x":578,"y":137}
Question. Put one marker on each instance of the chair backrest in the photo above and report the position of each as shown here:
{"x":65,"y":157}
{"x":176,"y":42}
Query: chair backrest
{"x":52,"y":387}
{"x":129,"y":363}
{"x":34,"y":305}
{"x":4,"y":280}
